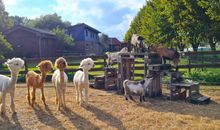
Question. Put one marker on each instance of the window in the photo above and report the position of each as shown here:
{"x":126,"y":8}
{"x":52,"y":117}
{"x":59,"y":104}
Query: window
{"x":86,"y":32}
{"x":91,"y":34}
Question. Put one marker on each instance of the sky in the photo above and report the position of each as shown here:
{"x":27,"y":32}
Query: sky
{"x":111,"y":17}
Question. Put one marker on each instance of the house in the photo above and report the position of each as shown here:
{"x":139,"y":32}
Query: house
{"x":86,"y":39}
{"x":32,"y":42}
{"x":114,"y":45}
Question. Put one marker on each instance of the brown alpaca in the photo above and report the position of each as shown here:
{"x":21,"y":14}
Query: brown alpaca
{"x":36,"y":80}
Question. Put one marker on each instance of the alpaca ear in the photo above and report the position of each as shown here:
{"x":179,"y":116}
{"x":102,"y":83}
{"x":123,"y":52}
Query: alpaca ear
{"x":7,"y":62}
{"x":81,"y":66}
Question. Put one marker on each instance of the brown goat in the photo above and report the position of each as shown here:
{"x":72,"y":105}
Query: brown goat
{"x":166,"y":53}
{"x":36,"y":80}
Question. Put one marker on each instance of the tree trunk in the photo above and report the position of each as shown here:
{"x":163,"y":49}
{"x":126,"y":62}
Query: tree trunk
{"x":181,"y":46}
{"x":195,"y":46}
{"x":212,"y":44}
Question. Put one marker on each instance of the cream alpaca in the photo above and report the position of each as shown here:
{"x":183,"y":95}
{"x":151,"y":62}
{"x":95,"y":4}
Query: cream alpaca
{"x":59,"y":80}
{"x":37,"y":81}
{"x":7,"y":85}
{"x":81,"y":80}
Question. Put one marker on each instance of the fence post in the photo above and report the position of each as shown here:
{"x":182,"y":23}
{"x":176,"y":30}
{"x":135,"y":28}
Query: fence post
{"x":25,"y":65}
{"x":189,"y":64}
{"x":104,"y":58}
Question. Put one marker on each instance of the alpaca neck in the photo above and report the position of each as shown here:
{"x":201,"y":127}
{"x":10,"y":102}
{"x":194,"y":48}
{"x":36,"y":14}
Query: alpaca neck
{"x":43,"y":78}
{"x":61,"y":76}
{"x":86,"y":75}
{"x":14,"y":77}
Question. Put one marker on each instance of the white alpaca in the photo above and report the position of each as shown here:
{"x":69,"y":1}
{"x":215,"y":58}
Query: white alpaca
{"x":7,"y":84}
{"x":59,"y":80}
{"x":81,"y":80}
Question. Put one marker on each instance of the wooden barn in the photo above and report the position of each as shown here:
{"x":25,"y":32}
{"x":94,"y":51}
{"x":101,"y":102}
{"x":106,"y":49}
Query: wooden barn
{"x":32,"y":42}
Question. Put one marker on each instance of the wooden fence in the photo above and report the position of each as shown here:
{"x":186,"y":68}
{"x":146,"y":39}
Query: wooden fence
{"x":209,"y":59}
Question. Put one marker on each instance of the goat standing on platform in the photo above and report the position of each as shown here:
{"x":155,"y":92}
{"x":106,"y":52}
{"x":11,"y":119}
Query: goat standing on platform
{"x":166,"y":53}
{"x":114,"y":56}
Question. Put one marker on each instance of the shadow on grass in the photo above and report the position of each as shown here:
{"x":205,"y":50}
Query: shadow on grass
{"x":78,"y":121}
{"x":181,"y":107}
{"x":6,"y":124}
{"x":106,"y":117}
{"x":47,"y":117}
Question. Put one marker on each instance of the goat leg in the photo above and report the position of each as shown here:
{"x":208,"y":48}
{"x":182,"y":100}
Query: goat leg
{"x":140,"y":98}
{"x":131,"y":97}
{"x":144,"y":98}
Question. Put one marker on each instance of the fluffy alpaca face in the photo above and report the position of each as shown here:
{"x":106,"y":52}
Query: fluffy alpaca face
{"x":61,"y":63}
{"x":86,"y":64}
{"x":45,"y":66}
{"x":15,"y":64}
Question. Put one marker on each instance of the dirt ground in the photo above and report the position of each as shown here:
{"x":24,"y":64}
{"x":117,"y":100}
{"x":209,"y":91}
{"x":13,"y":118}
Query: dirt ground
{"x":107,"y":110}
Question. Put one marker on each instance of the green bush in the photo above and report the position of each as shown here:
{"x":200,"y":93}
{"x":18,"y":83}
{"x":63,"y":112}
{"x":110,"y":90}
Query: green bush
{"x":204,"y":77}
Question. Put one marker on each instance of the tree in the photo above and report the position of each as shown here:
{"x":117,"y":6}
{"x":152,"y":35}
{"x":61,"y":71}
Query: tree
{"x":5,"y":22}
{"x":49,"y":22}
{"x":19,"y":20}
{"x":5,"y":46}
{"x":104,"y":40}
{"x":63,"y":38}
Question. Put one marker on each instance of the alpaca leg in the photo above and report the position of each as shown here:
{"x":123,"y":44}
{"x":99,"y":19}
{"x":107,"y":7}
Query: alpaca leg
{"x":81,"y":96}
{"x":28,"y":94}
{"x":64,"y":101}
{"x":43,"y":97}
{"x":33,"y":96}
{"x":77,"y":93}
{"x":56,"y":96}
{"x":3,"y":109}
{"x":59,"y":99}
{"x":86,"y":95}
{"x":12,"y":94}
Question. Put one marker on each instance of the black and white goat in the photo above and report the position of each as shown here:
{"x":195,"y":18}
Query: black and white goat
{"x":136,"y":88}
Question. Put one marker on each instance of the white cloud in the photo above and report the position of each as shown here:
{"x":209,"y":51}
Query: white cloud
{"x":130,"y":4}
{"x":10,"y":2}
{"x":120,"y":28}
{"x":72,"y":10}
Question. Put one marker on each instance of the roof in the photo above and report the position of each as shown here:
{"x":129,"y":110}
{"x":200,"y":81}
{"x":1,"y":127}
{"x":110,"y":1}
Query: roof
{"x":84,"y":26}
{"x":30,"y":29}
{"x":114,"y":41}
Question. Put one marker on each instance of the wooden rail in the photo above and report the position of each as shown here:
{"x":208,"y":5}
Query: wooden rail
{"x":195,"y":60}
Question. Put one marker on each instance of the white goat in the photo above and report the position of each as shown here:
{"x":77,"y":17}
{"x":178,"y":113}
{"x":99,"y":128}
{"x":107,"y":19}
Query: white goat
{"x":136,"y":88}
{"x":59,"y":80}
{"x":115,"y":55}
{"x":137,"y":42}
{"x":7,"y":85}
{"x":81,"y":80}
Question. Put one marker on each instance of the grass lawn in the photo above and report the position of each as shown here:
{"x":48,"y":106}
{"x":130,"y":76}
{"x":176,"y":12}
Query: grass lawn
{"x":107,"y":110}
